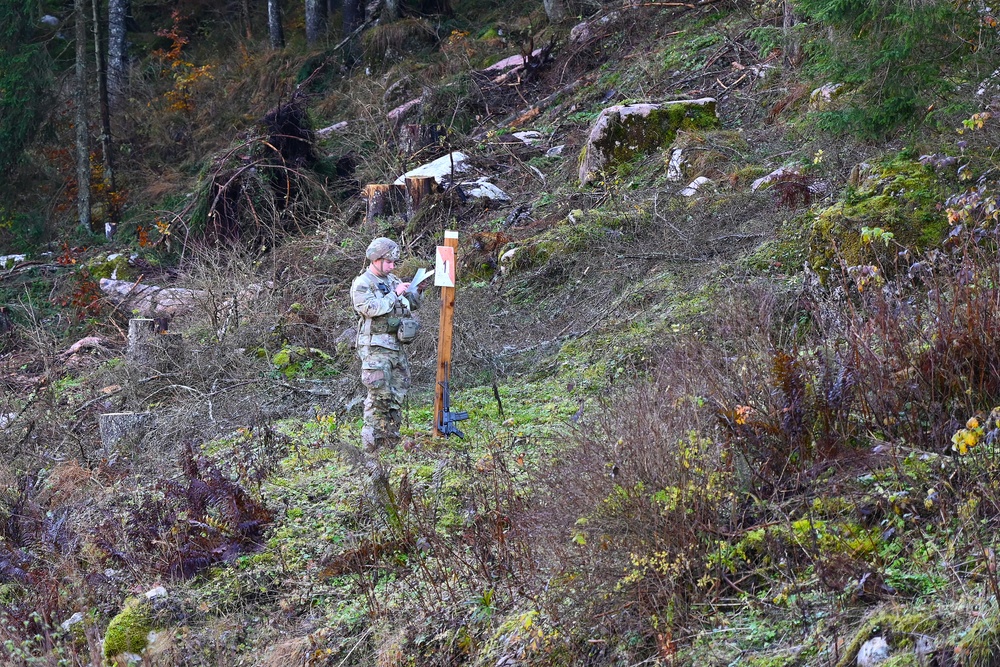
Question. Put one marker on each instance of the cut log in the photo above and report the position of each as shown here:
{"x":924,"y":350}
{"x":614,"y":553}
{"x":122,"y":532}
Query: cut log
{"x":151,"y":299}
{"x":418,"y":188}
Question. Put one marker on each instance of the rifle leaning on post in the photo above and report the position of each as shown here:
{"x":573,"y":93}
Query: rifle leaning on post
{"x":448,"y":418}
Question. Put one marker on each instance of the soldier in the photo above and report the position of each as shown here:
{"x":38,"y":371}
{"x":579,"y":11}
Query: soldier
{"x":384,"y":303}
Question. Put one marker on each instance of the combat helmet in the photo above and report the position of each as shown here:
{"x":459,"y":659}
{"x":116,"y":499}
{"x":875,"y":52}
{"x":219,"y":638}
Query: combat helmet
{"x":382,"y":248}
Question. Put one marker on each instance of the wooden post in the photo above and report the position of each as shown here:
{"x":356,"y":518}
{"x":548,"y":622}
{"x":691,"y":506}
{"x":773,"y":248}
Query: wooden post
{"x":444,"y":338}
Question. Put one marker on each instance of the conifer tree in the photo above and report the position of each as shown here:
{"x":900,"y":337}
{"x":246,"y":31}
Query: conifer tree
{"x":24,"y":77}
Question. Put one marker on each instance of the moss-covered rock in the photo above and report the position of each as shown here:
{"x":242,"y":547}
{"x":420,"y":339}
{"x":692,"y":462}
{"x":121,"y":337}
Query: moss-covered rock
{"x":980,"y":645}
{"x":899,"y":626}
{"x":128,"y":632}
{"x":622,"y":132}
{"x":901,"y":197}
{"x":114,"y":266}
{"x":296,"y":361}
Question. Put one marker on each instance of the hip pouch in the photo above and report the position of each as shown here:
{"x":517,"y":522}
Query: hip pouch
{"x":408,"y":328}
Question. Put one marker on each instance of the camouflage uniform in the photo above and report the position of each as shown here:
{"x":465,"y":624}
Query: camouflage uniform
{"x":385,"y":370}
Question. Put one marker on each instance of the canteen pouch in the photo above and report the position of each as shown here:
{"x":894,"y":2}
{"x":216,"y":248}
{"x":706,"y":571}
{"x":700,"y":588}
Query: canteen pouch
{"x":408,"y":327}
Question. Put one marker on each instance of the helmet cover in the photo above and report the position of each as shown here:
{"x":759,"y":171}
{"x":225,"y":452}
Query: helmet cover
{"x":382,"y":248}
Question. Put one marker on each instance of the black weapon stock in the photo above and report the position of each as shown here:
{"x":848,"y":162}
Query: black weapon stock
{"x":448,"y":418}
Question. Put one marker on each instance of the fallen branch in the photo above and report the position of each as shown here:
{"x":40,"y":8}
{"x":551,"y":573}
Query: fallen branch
{"x":28,"y":266}
{"x":539,"y":105}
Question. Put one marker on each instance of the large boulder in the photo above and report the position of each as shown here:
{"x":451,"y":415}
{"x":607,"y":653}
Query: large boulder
{"x":624,"y":131}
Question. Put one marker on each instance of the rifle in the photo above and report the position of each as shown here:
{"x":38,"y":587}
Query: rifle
{"x":448,"y":418}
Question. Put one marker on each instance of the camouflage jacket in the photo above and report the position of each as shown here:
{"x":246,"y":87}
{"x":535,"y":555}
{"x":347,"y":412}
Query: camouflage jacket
{"x":375,"y":300}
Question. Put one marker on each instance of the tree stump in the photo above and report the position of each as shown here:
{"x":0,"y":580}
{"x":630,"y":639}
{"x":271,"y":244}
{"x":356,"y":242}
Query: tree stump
{"x":415,"y":137}
{"x":118,"y":426}
{"x":149,"y":346}
{"x":6,"y":324}
{"x":382,"y":200}
{"x":418,"y":188}
{"x":6,"y":330}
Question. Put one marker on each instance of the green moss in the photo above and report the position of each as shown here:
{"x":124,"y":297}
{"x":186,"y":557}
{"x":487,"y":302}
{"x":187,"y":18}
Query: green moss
{"x":127,"y":632}
{"x":780,"y":660}
{"x":980,"y":646}
{"x":11,"y":594}
{"x":898,"y":623}
{"x":905,"y":659}
{"x":635,"y":134}
{"x":110,"y":266}
{"x":900,"y":196}
{"x":296,"y":361}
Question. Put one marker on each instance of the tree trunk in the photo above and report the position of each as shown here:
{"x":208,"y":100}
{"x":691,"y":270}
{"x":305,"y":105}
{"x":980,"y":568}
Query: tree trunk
{"x":80,"y":100}
{"x":245,"y":18}
{"x":555,"y":10}
{"x":117,"y":56}
{"x":792,"y":46}
{"x":108,"y":171}
{"x":274,"y":28}
{"x":392,"y":10}
{"x":354,"y":16}
{"x":315,"y":20}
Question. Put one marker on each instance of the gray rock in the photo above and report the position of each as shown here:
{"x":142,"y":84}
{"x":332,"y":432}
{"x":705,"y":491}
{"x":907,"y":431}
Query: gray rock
{"x":873,"y":652}
{"x":623,"y":131}
{"x":7,"y":261}
{"x":694,"y":186}
{"x":152,"y":300}
{"x":71,"y":621}
{"x":483,"y":189}
{"x":924,"y":648}
{"x":529,"y":137}
{"x":820,"y":98}
{"x":157,"y":592}
{"x":440,"y":169}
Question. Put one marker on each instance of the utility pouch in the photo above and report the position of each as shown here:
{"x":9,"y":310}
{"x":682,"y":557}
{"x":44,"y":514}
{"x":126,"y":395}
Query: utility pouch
{"x":392,"y":325}
{"x":407,"y":330}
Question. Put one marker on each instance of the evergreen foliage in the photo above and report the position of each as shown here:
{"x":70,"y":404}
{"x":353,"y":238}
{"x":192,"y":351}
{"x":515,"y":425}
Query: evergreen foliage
{"x":23,"y":80}
{"x":900,"y":55}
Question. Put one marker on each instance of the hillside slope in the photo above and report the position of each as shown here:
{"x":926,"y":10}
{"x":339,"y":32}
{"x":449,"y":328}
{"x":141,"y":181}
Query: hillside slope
{"x":732,"y":401}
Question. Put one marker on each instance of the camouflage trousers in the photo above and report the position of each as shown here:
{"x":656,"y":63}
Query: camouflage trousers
{"x":386,"y":375}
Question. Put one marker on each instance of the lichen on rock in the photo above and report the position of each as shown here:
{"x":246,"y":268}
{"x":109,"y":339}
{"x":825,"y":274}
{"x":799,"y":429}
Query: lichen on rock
{"x":622,"y":132}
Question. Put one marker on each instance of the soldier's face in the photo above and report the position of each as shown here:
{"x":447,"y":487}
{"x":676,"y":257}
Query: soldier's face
{"x":383,"y":267}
